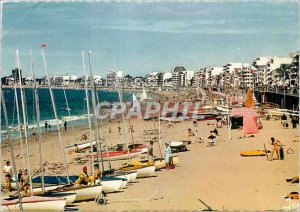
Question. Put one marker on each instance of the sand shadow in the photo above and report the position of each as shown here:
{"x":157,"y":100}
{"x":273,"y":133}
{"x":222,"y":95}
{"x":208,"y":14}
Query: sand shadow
{"x":147,"y":177}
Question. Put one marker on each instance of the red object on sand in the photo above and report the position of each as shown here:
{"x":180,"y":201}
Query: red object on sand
{"x":44,"y":45}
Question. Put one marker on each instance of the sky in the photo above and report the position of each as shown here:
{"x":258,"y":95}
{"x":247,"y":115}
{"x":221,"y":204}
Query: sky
{"x":138,"y":38}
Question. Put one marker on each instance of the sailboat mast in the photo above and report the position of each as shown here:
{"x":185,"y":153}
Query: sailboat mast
{"x":25,"y":122}
{"x":19,"y":124}
{"x":68,"y":109}
{"x":123,"y":119}
{"x":159,"y":136}
{"x":11,"y":148}
{"x":98,"y":143}
{"x":38,"y":118}
{"x":103,"y":134}
{"x":55,"y":115}
{"x":88,"y":111}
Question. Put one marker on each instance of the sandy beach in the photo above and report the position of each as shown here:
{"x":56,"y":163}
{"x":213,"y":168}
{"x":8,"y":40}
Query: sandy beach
{"x":218,"y":175}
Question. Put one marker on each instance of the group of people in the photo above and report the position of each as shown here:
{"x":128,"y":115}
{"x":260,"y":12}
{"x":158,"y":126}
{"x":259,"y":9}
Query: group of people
{"x":294,"y":121}
{"x":85,"y":179}
{"x":167,"y":154}
{"x":63,"y":128}
{"x":23,"y":178}
{"x":195,"y":134}
{"x":47,"y":126}
{"x":130,"y":128}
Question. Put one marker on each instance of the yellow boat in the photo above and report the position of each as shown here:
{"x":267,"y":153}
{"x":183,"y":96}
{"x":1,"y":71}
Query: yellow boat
{"x":142,"y":170}
{"x":175,"y":160}
{"x":251,"y":153}
{"x":159,"y":163}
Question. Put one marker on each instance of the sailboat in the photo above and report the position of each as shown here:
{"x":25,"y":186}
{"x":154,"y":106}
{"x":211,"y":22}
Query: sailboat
{"x":134,"y":99}
{"x":118,"y":155}
{"x":78,"y":147}
{"x":108,"y":184}
{"x":26,"y":203}
{"x":141,"y":170}
{"x":144,"y":96}
{"x":83,"y":192}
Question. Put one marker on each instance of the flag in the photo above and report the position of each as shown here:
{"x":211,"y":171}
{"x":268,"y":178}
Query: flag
{"x":44,"y":45}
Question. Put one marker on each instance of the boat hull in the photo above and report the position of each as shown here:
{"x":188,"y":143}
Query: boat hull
{"x":145,"y":171}
{"x":70,"y":197}
{"x":83,"y":192}
{"x":159,"y":163}
{"x":132,"y":175}
{"x":175,"y":160}
{"x":109,"y":186}
{"x":34,"y":203}
{"x":142,"y":171}
{"x":72,"y":148}
{"x":118,"y":155}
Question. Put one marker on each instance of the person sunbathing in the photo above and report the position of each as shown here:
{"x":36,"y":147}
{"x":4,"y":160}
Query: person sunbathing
{"x":293,"y":180}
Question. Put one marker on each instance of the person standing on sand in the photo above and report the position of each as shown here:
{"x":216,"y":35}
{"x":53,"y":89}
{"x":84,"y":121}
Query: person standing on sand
{"x":150,"y":150}
{"x":20,"y":178}
{"x":7,"y":170}
{"x":46,"y":126}
{"x":49,"y":126}
{"x":33,"y":133}
{"x":65,"y":126}
{"x":109,"y":127}
{"x":294,"y":121}
{"x":119,"y":128}
{"x":168,"y":154}
{"x":275,"y":148}
{"x":284,"y":120}
{"x":25,"y":180}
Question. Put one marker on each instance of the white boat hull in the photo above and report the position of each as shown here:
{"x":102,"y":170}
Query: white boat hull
{"x":70,"y":198}
{"x":109,"y":186}
{"x":133,"y":176}
{"x":144,"y":150}
{"x":38,"y":191}
{"x":34,"y":204}
{"x":176,"y":143}
{"x":147,"y":171}
{"x":83,"y":192}
{"x":130,"y":175}
{"x":124,"y":184}
{"x":79,"y":146}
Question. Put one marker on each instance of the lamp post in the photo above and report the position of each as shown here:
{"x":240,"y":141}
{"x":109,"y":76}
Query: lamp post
{"x":283,"y":88}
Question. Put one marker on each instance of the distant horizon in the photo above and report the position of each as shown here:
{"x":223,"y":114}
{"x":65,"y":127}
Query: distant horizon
{"x":139,"y":38}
